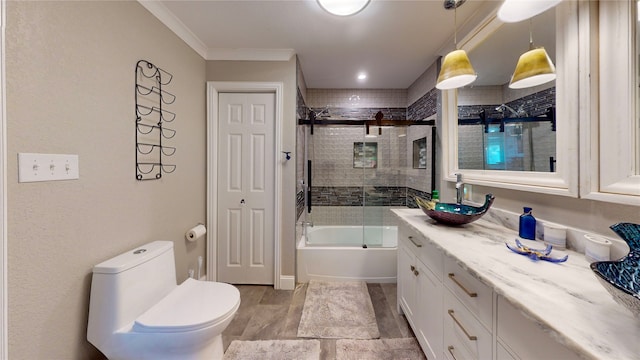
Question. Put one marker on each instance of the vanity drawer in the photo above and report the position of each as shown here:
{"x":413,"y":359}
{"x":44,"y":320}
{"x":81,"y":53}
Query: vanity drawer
{"x":474,"y":294}
{"x":525,"y":338}
{"x":464,"y":336}
{"x":424,"y":249}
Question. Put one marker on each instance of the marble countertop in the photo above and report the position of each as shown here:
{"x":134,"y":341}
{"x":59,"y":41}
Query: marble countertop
{"x":565,"y":299}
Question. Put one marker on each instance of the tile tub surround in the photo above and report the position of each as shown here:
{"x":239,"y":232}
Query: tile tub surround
{"x":564,"y":299}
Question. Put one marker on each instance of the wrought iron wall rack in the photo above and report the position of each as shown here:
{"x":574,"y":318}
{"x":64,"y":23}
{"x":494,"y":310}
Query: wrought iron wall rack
{"x":151,"y":116}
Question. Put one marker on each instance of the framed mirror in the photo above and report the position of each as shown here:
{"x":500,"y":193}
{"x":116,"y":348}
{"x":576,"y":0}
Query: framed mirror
{"x":517,"y":144}
{"x":611,"y":162}
{"x":500,"y":128}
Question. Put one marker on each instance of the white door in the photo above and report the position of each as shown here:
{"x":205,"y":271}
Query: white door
{"x":246,"y":204}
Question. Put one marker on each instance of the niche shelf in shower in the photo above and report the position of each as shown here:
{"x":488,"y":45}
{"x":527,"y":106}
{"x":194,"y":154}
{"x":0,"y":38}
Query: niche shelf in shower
{"x":151,"y":100}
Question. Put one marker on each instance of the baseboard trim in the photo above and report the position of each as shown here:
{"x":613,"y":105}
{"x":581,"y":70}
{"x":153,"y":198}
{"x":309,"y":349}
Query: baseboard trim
{"x":287,"y":282}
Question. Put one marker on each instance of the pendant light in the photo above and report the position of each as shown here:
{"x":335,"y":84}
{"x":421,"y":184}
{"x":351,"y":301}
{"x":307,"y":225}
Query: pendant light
{"x":518,"y":10}
{"x":534,"y":67}
{"x":456,"y":70}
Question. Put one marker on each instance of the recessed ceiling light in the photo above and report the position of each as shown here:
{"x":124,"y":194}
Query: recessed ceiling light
{"x":362,"y":76}
{"x":343,"y":7}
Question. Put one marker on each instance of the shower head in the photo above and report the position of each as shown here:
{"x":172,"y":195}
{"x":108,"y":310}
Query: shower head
{"x":504,"y":107}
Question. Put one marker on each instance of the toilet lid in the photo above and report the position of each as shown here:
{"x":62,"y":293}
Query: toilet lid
{"x":190,"y":306}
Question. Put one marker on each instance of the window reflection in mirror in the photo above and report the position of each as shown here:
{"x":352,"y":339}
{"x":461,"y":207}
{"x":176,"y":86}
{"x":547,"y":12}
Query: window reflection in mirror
{"x":507,"y":129}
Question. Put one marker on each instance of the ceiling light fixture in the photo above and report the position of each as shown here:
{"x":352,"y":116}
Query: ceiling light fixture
{"x":456,"y":70}
{"x":343,"y":7}
{"x":362,"y":76}
{"x":518,"y":10}
{"x":534,"y":67}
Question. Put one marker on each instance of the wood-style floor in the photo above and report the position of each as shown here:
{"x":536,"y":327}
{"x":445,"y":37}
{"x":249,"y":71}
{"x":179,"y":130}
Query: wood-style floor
{"x":268,"y":314}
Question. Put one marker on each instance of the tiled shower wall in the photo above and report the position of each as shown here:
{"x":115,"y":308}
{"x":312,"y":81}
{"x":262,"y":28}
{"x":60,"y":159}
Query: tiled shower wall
{"x":357,"y":98}
{"x":337,"y":184}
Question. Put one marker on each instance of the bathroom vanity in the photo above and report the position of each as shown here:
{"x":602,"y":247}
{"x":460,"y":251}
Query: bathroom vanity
{"x":466,"y":296}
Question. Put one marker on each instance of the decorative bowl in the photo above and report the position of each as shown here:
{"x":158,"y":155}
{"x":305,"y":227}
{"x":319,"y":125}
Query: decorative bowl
{"x":454,"y":214}
{"x":621,"y":278}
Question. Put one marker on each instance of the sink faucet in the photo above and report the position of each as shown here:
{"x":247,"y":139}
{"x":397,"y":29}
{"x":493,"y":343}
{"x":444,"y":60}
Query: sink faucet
{"x":459,"y":188}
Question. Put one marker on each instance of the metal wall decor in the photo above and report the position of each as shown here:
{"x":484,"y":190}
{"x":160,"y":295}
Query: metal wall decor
{"x":151,"y":115}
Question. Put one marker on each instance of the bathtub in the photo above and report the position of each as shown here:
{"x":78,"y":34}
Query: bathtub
{"x":335,"y":253}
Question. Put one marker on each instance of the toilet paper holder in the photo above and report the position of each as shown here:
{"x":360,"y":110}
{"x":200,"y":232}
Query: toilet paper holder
{"x":195,"y":232}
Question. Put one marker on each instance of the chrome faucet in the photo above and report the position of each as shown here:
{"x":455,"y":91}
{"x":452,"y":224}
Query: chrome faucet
{"x":459,"y":188}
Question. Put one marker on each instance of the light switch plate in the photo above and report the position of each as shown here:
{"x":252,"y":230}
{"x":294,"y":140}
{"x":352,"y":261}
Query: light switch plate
{"x":47,"y":167}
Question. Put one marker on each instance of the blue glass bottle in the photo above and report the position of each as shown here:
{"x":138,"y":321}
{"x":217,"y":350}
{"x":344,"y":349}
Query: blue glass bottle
{"x":527,"y":229}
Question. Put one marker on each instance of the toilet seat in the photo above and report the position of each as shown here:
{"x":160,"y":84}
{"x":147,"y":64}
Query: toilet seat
{"x":190,"y":306}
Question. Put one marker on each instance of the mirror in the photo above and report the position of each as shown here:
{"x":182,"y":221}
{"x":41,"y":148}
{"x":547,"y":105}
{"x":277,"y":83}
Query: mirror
{"x":508,"y":129}
{"x":504,"y":146}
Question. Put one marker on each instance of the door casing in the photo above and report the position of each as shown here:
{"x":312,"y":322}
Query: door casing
{"x":213,"y":89}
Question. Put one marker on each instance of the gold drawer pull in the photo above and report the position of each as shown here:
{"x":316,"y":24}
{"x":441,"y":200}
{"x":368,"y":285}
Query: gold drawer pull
{"x":470,"y":337}
{"x":413,"y":268}
{"x":452,"y":276}
{"x":415,"y":243}
{"x":450,"y":348}
{"x":416,"y":272}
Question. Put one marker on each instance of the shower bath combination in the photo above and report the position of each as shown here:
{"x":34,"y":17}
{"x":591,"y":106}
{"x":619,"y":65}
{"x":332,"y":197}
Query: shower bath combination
{"x":353,"y":177}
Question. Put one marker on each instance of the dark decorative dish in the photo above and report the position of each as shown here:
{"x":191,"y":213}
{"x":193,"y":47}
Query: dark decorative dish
{"x":621,"y":278}
{"x":454,"y":214}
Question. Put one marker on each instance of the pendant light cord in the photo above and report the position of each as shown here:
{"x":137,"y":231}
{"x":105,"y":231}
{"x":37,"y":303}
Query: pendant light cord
{"x":455,"y":26}
{"x":530,"y":34}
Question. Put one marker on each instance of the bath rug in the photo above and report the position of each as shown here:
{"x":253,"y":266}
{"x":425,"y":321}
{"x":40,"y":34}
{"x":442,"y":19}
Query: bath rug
{"x":273,"y":350}
{"x":338,"y":310}
{"x":382,"y":349}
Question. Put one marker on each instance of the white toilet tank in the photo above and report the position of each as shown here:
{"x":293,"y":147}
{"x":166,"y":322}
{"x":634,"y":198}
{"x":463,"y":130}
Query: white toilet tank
{"x":125,"y":286}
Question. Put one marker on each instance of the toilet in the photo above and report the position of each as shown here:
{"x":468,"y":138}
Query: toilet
{"x":137,"y":311}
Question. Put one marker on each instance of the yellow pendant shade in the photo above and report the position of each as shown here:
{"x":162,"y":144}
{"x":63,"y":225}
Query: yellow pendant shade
{"x":534,"y":68}
{"x":456,"y":71}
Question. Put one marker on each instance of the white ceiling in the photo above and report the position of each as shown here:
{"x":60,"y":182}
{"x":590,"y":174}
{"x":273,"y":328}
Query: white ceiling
{"x":393,"y":41}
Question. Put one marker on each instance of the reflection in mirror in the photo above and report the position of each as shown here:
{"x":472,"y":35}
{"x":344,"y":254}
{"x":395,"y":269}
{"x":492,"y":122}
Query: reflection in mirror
{"x":507,"y":129}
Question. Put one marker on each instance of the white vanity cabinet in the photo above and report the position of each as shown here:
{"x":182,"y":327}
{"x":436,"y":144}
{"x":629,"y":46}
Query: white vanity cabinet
{"x":520,"y":338}
{"x":468,"y":314}
{"x":420,"y":289}
{"x":469,"y":297}
{"x":456,"y":316}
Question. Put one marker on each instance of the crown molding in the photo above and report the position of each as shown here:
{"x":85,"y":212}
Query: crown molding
{"x":174,"y":24}
{"x":157,"y":9}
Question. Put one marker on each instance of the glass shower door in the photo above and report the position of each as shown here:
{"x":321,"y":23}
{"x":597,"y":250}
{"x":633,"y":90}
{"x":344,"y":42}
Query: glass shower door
{"x":384,"y":183}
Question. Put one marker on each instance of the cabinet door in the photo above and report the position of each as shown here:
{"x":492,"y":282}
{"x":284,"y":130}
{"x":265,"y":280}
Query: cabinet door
{"x":429,"y":312}
{"x":406,"y":282}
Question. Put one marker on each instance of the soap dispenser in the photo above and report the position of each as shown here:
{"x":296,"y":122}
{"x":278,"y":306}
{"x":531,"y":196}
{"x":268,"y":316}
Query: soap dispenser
{"x":527,"y":228}
{"x":435,"y":196}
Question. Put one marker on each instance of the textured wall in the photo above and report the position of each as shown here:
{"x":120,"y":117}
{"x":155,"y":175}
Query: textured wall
{"x":70,"y":89}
